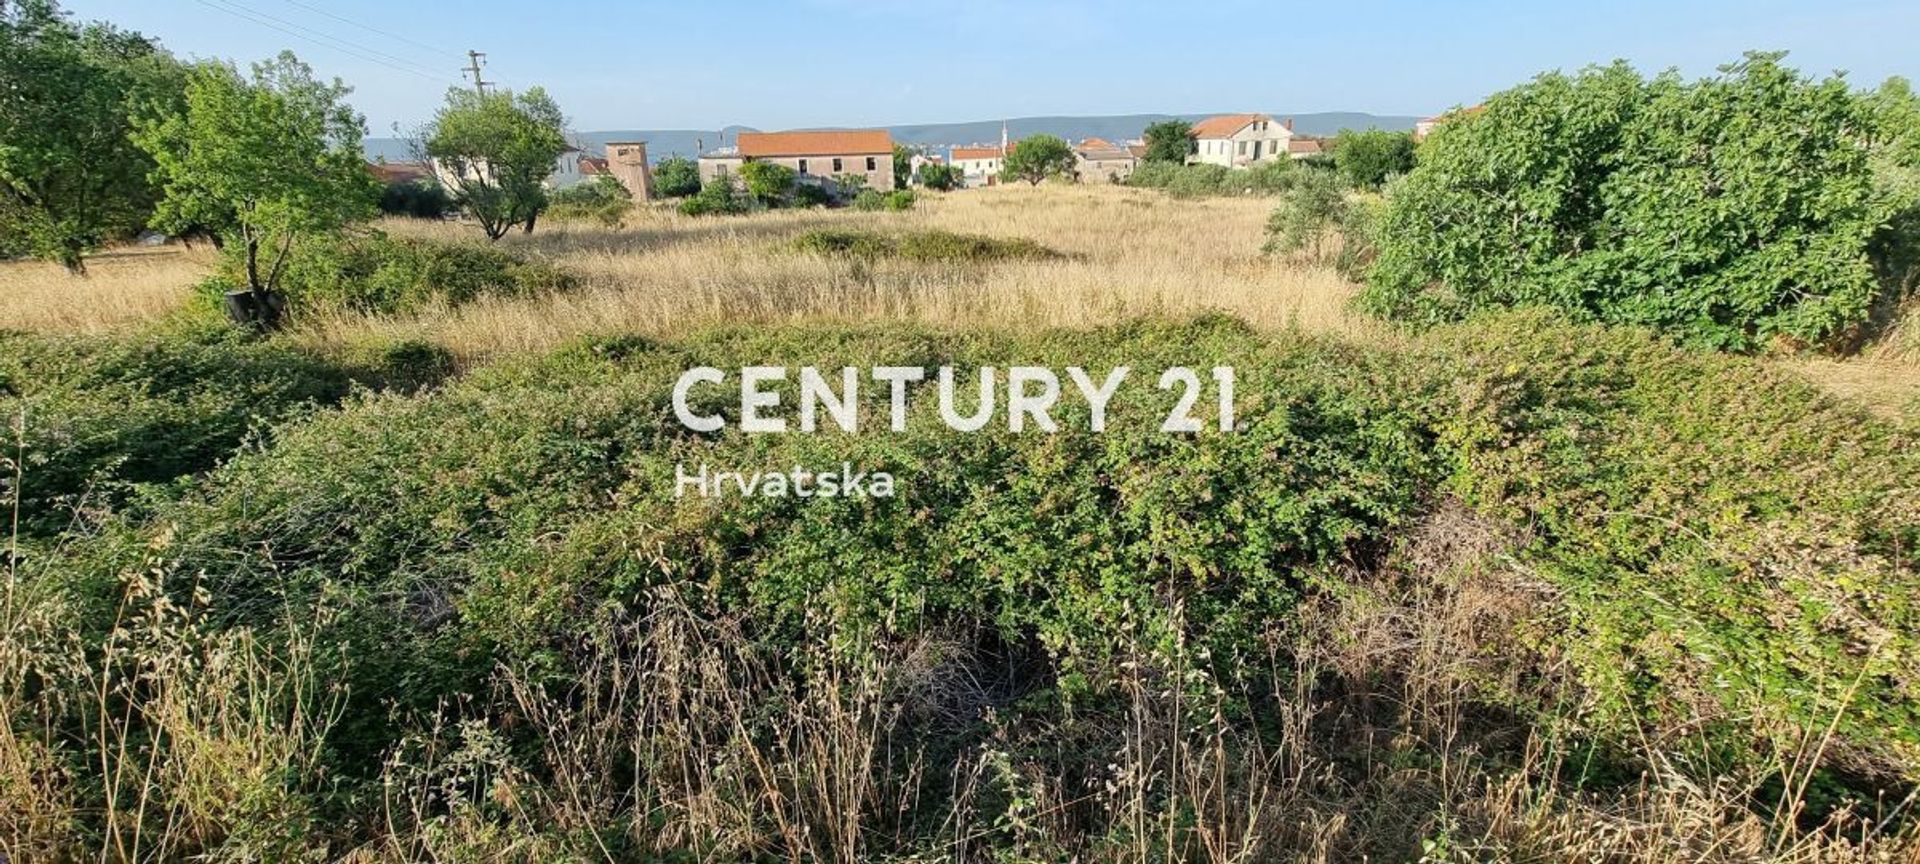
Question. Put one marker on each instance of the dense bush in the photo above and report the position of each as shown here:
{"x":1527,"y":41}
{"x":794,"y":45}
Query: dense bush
{"x":720,"y":196}
{"x":1366,"y":160}
{"x":676,"y":177}
{"x":373,"y":272}
{"x":770,"y":182}
{"x":1727,"y":211}
{"x":1205,"y":180}
{"x":105,"y":415}
{"x":603,"y":199}
{"x":1715,"y":561}
{"x":420,"y":199}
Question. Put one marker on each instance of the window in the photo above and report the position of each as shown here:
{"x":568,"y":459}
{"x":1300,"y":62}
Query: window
{"x":836,"y":165}
{"x":1243,"y":148}
{"x":870,"y":164}
{"x":803,"y":166}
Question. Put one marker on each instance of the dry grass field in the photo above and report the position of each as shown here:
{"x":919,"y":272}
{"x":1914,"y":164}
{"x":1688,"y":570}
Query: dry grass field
{"x":1130,"y":252}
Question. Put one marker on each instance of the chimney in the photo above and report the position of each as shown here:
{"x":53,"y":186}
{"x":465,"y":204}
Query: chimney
{"x":1287,"y":124}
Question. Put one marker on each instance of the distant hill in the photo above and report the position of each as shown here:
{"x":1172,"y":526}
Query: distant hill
{"x":662,"y":143}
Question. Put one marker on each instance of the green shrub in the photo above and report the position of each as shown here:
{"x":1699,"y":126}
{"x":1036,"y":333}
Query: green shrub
{"x":922,"y":246}
{"x":420,"y":199}
{"x":602,"y":199}
{"x":1207,"y":180}
{"x":676,"y":177}
{"x":1726,"y":212}
{"x":718,"y":197}
{"x":375,"y":273}
{"x":869,"y":200}
{"x":811,"y":195}
{"x":770,"y":182}
{"x":106,"y":415}
{"x":898,"y":200}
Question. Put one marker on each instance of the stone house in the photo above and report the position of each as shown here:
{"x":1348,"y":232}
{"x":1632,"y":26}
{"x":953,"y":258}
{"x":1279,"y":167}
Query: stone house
{"x":1097,"y":160}
{"x":1240,"y":140}
{"x":816,"y":157}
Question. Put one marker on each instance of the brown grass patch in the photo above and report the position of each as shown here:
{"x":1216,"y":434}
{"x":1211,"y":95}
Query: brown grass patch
{"x":122,"y":288}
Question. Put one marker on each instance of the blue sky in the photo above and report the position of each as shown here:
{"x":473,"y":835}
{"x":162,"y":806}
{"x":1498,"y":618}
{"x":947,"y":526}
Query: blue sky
{"x":873,"y":62}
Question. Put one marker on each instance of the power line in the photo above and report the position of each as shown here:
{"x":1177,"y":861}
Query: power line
{"x":370,"y":28}
{"x":318,"y":38}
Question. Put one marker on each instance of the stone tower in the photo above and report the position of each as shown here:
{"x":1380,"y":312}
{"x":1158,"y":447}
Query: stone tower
{"x":627,"y":162}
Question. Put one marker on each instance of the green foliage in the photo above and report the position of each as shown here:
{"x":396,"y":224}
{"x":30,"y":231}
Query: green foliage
{"x":770,"y":182}
{"x":720,"y":196}
{"x":1731,"y":549}
{"x":278,"y":154}
{"x":1704,"y":556}
{"x":496,"y":151}
{"x":373,"y":273}
{"x":869,"y":201}
{"x":1168,"y":142}
{"x":811,"y":195}
{"x":603,"y":199}
{"x":1204,"y":180}
{"x":1309,"y":211}
{"x":107,"y":416}
{"x":940,"y":177}
{"x":922,"y":246}
{"x":676,"y":177}
{"x":420,"y":199}
{"x":1727,"y":212}
{"x":899,"y":200}
{"x":1367,"y":159}
{"x":70,"y":177}
{"x":1038,"y":157}
{"x":903,"y":164}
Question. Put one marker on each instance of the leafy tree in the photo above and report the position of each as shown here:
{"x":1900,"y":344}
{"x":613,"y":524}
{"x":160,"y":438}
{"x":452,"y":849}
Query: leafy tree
{"x":939,"y":177}
{"x":1037,"y":158}
{"x":903,"y":164}
{"x":1169,"y":141}
{"x":279,"y":151}
{"x":1366,"y":159}
{"x":1727,"y":211}
{"x":70,"y":178}
{"x":495,"y":151}
{"x":849,"y":186}
{"x":770,"y":182}
{"x":1312,"y":204}
{"x":676,"y":177}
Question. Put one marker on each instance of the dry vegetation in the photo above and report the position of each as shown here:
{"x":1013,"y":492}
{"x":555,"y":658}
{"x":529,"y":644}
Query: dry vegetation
{"x":125,"y":288}
{"x":1130,"y":252}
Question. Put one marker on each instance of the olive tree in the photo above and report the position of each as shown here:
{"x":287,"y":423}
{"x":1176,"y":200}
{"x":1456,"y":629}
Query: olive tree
{"x":1169,"y":141}
{"x":278,"y":152}
{"x":1038,"y":157}
{"x":495,"y":151}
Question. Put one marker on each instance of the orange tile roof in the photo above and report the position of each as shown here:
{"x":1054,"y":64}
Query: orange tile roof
{"x":1096,"y":144}
{"x":835,"y":142}
{"x":960,"y":153}
{"x":1307,"y":146}
{"x":1224,"y":125}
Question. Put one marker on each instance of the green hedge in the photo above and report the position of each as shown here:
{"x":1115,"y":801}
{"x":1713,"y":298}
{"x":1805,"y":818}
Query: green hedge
{"x":375,"y":273}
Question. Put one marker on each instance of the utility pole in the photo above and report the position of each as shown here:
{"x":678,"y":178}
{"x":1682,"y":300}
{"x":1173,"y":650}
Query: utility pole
{"x":475,"y":61}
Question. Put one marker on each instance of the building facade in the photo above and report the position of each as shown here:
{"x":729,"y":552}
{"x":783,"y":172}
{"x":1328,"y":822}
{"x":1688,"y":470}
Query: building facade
{"x":979,"y":166}
{"x":1240,"y":140}
{"x":815,"y":157}
{"x":627,"y":162}
{"x":1097,"y":160}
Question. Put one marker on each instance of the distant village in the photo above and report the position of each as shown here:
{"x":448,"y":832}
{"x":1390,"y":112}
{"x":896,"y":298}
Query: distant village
{"x":1235,"y":141}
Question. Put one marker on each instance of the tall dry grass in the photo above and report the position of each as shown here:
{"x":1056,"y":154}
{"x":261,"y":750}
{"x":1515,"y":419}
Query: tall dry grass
{"x":1130,"y":253}
{"x":122,"y":288}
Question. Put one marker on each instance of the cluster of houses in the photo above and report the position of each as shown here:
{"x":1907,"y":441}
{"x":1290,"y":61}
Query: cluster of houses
{"x":1229,"y":140}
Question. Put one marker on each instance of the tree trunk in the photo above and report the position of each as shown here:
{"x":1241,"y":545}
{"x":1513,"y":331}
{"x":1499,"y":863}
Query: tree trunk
{"x":527,"y":227}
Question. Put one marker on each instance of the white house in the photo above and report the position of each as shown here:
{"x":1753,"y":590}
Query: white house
{"x":979,"y":166}
{"x":1240,"y":140}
